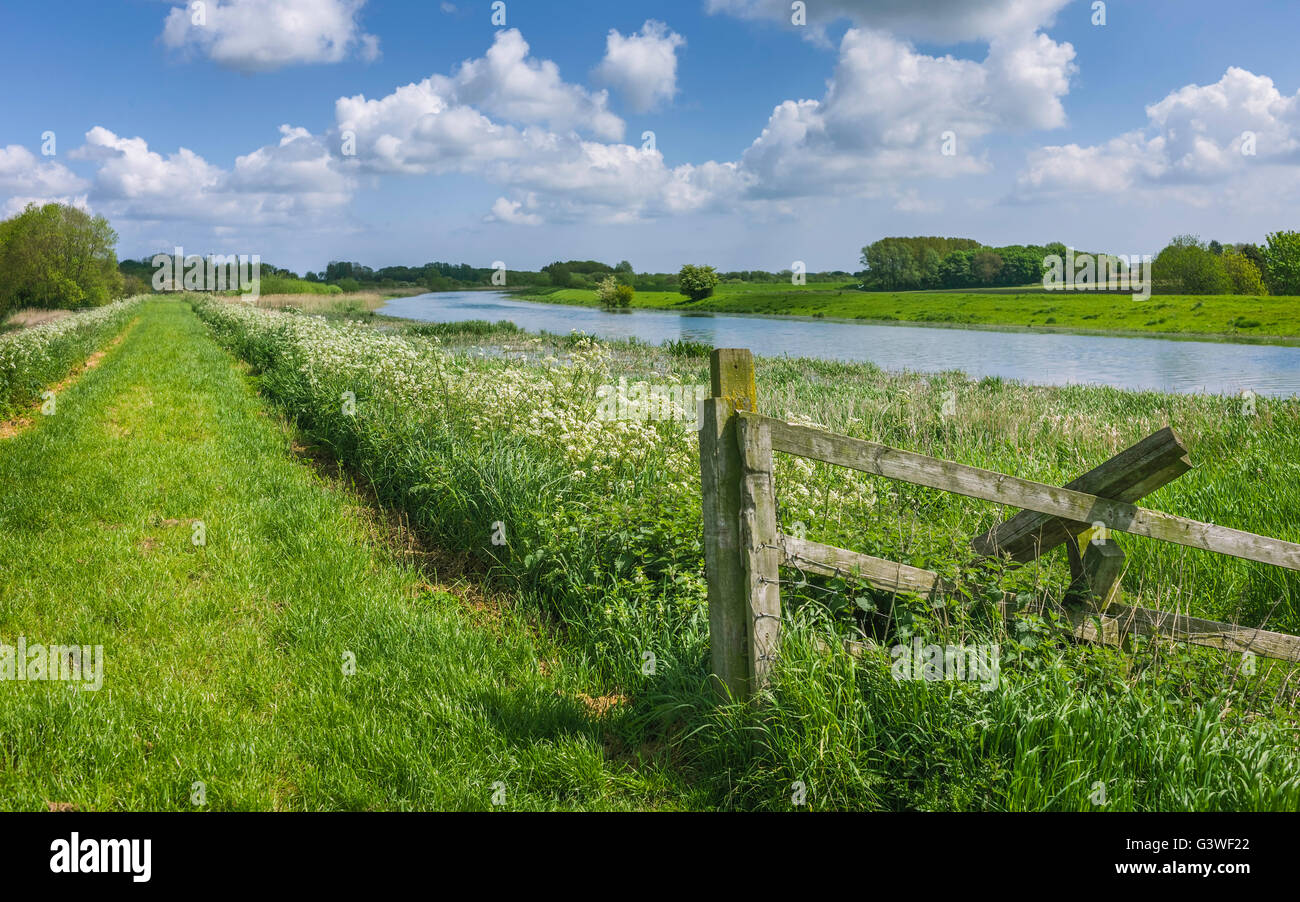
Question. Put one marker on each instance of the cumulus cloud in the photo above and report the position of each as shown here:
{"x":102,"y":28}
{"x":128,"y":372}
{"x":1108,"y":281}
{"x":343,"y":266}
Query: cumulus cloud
{"x":882,"y":120}
{"x":514,"y":212}
{"x":942,"y":21}
{"x":643,"y":65}
{"x":278,"y":184}
{"x":1197,"y":136}
{"x":263,"y":35}
{"x":556,"y":152}
{"x":17,"y":203}
{"x":508,"y":83}
{"x":887,"y":109}
{"x":37,"y":179}
{"x":510,"y":120}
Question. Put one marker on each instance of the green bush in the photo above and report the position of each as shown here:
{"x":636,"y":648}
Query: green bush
{"x":697,"y":282}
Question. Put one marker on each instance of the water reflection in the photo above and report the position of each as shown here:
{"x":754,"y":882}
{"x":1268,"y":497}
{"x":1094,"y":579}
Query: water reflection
{"x":1043,"y":358}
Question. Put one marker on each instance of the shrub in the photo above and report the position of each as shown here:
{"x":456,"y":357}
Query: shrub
{"x":605,"y":291}
{"x":1245,"y":275}
{"x":697,"y":282}
{"x":1283,"y":256}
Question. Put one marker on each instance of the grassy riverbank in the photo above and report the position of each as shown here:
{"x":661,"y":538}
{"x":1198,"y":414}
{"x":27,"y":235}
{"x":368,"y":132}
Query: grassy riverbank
{"x":224,"y":663}
{"x":565,"y":665}
{"x":1233,"y":317}
{"x":490,"y":442}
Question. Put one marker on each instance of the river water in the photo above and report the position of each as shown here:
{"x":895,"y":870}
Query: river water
{"x":1045,"y":358}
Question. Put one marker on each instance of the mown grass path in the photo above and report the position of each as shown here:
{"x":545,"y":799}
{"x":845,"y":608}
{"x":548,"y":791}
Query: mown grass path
{"x":224,"y":662}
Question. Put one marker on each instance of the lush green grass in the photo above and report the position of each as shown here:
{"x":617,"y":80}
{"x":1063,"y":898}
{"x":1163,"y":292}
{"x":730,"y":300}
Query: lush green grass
{"x":224,"y":662}
{"x":602,"y":532}
{"x":32,"y":359}
{"x":284,"y":285}
{"x":1237,"y":317}
{"x":476,"y":328}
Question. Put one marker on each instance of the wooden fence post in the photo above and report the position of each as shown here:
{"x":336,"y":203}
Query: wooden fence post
{"x":721,"y":471}
{"x":759,"y":538}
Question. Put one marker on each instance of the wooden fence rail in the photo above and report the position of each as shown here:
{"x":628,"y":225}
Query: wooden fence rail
{"x":745,"y":548}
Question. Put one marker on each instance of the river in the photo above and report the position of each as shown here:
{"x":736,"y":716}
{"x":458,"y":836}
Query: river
{"x":1044,"y":358}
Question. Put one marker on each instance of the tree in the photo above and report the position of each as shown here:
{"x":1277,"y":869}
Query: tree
{"x":1021,"y":265}
{"x":931,"y":264}
{"x":1255,"y":254}
{"x":986,"y":266}
{"x":57,"y":256}
{"x":1245,"y":275}
{"x":890,"y":264}
{"x":696,"y":282}
{"x":954,"y":272}
{"x":607,"y":292}
{"x":1188,"y":266}
{"x":561,"y":275}
{"x":1282,"y":255}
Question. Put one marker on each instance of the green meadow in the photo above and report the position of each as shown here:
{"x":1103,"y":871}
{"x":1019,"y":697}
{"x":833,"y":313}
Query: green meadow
{"x":1233,"y":317}
{"x":430,"y":576}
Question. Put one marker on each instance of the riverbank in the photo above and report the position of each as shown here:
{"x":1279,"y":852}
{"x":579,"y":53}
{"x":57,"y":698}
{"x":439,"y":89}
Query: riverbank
{"x":489,"y":432}
{"x":1230,"y":318}
{"x":1141,"y":362}
{"x":269,"y":640}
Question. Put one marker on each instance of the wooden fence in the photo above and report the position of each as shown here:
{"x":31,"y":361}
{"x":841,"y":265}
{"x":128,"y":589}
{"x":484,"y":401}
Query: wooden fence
{"x":745,"y":548}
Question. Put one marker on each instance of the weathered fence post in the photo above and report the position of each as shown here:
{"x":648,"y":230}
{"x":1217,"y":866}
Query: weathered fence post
{"x":721,"y":471}
{"x":759,"y":547}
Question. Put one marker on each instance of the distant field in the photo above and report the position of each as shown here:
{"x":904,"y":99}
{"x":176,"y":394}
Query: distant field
{"x":1230,"y":316}
{"x":349,"y":303}
{"x":282,"y":285}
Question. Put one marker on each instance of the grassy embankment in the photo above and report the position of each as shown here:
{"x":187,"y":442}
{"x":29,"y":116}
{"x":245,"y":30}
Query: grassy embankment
{"x":278,"y":293}
{"x":224,"y":662}
{"x":600,"y":528}
{"x":1238,"y":318}
{"x":33,"y":358}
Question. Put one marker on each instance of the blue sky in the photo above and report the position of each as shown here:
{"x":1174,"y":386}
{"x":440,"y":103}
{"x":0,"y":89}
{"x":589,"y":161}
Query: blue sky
{"x":402,"y":132}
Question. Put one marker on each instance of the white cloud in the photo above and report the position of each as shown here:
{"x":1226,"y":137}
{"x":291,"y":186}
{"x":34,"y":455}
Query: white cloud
{"x":16,"y":204}
{"x":263,"y":35}
{"x":943,"y":21}
{"x":506,"y":82}
{"x":513,"y":212}
{"x":277,"y":185}
{"x":36,"y":178}
{"x":554,"y":147}
{"x":880,"y":123}
{"x":888,"y":107}
{"x":1193,"y":139}
{"x":643,"y":65}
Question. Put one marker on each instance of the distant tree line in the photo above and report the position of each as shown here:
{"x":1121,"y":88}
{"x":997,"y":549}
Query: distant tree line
{"x":1187,"y":265}
{"x":909,"y":264}
{"x":582,"y":274}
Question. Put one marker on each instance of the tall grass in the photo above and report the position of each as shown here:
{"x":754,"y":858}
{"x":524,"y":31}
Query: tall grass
{"x":33,"y":358}
{"x":601,"y":529}
{"x":285,"y":285}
